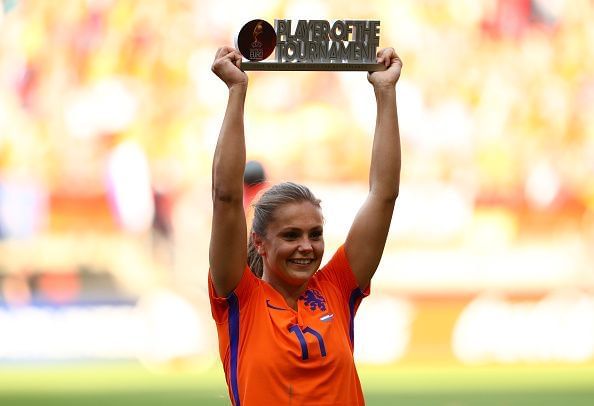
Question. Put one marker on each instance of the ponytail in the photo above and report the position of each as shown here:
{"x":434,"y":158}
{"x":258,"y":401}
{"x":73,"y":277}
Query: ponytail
{"x":254,"y":259}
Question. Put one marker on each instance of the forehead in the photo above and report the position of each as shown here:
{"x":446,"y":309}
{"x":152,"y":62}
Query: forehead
{"x":300,"y":215}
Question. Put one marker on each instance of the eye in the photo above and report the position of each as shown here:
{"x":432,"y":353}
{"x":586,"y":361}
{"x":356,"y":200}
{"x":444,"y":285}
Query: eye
{"x":290,"y":235}
{"x":316,"y":235}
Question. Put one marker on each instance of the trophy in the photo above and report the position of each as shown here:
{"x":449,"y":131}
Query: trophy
{"x":344,"y":45}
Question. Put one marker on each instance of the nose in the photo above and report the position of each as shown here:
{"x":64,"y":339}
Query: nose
{"x":305,"y":245}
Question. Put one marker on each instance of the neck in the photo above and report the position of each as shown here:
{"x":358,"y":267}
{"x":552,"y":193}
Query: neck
{"x":289,"y":292}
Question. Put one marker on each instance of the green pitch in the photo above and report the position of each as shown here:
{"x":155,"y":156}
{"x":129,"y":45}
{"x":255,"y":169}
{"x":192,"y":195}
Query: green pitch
{"x":131,"y":384}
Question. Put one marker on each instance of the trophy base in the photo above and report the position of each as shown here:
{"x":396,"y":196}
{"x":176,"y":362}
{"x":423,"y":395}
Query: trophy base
{"x":311,"y":66}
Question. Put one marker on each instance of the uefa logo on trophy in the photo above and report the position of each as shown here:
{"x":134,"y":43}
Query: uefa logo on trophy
{"x":256,"y":53}
{"x":256,"y":40}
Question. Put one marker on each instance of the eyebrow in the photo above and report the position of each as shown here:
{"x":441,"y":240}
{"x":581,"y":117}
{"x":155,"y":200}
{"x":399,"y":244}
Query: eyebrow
{"x":289,"y":229}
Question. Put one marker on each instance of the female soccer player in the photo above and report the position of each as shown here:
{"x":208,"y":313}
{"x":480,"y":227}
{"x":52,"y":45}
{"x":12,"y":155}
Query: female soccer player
{"x":285,"y":326}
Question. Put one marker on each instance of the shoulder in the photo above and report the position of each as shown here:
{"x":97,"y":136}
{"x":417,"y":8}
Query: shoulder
{"x":339,"y":274}
{"x":338,"y":264}
{"x":248,"y":285}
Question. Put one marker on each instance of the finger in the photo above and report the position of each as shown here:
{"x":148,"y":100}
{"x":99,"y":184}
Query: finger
{"x":218,"y":53}
{"x":389,"y":54}
{"x":221,"y":52}
{"x":224,"y":51}
{"x":384,"y":56}
{"x":390,"y":57}
{"x":237,"y":54}
{"x":222,"y":60}
{"x":379,"y":57}
{"x":238,"y":59}
{"x":396,"y":60}
{"x":231,"y":56}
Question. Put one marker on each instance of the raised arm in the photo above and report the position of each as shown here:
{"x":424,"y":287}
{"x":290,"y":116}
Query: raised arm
{"x":367,"y":237}
{"x":228,"y":241}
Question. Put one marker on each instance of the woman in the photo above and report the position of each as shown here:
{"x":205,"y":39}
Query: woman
{"x":285,"y":326}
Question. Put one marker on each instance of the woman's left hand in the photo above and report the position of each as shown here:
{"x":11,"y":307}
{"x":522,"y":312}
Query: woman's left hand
{"x":388,"y":77}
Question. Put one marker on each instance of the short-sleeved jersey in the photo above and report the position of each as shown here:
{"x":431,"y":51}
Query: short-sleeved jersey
{"x":274,"y":355}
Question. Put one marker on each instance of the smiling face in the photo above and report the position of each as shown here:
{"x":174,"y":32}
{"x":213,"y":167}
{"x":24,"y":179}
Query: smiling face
{"x":293,"y":245}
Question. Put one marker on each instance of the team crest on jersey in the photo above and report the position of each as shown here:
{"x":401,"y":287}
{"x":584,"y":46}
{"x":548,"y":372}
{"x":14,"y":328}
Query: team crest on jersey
{"x":314,"y":299}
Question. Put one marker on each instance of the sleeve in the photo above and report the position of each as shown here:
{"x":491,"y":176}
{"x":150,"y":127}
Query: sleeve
{"x":219,"y":306}
{"x":339,"y":273}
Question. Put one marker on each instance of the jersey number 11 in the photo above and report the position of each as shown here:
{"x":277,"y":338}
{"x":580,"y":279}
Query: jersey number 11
{"x":301,"y":337}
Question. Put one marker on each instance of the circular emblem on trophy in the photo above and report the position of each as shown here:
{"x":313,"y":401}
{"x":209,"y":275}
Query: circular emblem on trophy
{"x":256,"y":40}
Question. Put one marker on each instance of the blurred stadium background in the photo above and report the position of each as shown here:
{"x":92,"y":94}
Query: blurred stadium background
{"x":108,"y":119}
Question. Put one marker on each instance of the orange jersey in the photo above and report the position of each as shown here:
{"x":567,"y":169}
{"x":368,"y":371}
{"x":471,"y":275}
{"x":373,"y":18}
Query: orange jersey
{"x":274,"y":355}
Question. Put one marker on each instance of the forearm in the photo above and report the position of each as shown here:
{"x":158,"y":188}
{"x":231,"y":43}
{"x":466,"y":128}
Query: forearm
{"x":384,"y":174}
{"x":229,"y":157}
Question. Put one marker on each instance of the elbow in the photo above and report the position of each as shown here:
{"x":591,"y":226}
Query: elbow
{"x":392,"y":195}
{"x":226,"y":195}
{"x":388,"y":193}
{"x":387,"y":198}
{"x":391,"y":198}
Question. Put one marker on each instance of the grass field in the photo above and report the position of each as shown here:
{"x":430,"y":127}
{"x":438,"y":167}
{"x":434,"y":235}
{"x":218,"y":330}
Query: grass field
{"x":131,"y":384}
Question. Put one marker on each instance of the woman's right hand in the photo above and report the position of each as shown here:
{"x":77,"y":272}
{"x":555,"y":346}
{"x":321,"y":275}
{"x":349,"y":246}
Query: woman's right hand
{"x":227,"y":65}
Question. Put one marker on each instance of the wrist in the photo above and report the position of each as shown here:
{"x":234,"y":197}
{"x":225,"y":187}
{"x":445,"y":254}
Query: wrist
{"x":384,"y":89}
{"x":238,"y":88}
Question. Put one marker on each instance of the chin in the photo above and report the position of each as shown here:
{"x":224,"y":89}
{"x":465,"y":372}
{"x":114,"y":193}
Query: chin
{"x":301,"y":275}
